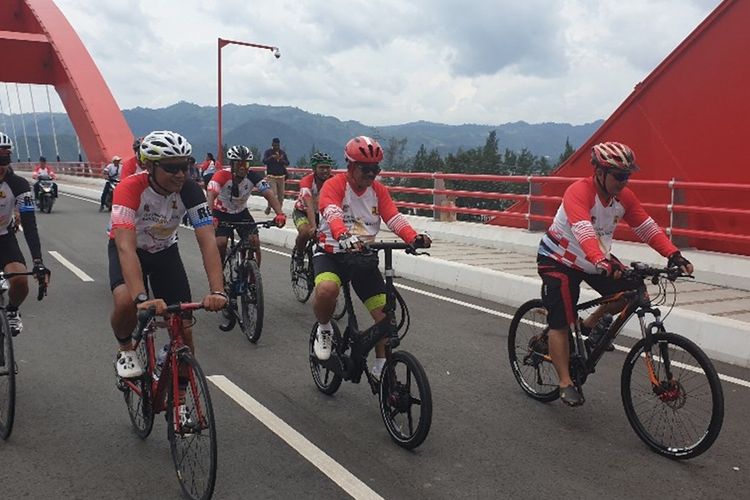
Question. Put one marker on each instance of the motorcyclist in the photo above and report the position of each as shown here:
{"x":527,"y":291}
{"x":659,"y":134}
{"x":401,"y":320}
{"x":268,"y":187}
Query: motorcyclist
{"x":112,"y":174}
{"x":41,"y":172}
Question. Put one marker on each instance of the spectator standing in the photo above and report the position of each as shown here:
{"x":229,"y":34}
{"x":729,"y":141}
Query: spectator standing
{"x":276,"y":161}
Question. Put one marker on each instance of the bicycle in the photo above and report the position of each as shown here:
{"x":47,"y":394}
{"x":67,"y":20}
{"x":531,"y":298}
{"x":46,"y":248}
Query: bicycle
{"x":303,"y":277}
{"x":191,"y":428}
{"x":242,"y":280}
{"x":8,"y":365}
{"x":657,"y":395}
{"x":402,"y":372}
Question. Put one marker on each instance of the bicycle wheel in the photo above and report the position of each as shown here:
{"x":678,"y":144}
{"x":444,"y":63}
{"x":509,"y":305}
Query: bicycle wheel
{"x":683,"y":416}
{"x":251,"y":302}
{"x":139,"y":405}
{"x":7,"y":379}
{"x":326,"y":379}
{"x":300,"y":274}
{"x":405,"y":400}
{"x":191,"y":430}
{"x":529,"y":353}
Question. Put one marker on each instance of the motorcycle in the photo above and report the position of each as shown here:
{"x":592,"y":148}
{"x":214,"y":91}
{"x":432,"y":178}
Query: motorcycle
{"x":46,"y":196}
{"x":113,"y":182}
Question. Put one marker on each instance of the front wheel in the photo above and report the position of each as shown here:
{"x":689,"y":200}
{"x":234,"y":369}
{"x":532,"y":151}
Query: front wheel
{"x":681,"y":415}
{"x":251,"y":302}
{"x":326,"y":378}
{"x":302,"y":275}
{"x":528,"y":351}
{"x":191,"y":431}
{"x":138,"y":398}
{"x":7,"y":379}
{"x":405,"y":400}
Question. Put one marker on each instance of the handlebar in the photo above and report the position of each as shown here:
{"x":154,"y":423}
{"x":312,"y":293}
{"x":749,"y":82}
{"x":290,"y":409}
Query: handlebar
{"x":39,"y":277}
{"x":395,"y":245}
{"x":146,"y":315}
{"x":643,"y":271}
{"x":266,"y":224}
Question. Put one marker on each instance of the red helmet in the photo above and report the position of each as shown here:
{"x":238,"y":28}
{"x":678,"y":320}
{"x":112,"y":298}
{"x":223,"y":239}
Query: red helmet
{"x":363,"y":149}
{"x":613,"y":155}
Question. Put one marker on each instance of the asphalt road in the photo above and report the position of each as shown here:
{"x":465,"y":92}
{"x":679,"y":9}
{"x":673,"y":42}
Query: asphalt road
{"x":72,"y":436}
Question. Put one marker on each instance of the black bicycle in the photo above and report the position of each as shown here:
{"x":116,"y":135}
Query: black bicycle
{"x":243,"y":283}
{"x":303,"y":277}
{"x":670,"y":389}
{"x":8,"y":365}
{"x":403,"y":388}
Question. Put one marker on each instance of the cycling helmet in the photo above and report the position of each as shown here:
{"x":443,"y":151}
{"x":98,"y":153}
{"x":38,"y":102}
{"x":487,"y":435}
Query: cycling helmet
{"x":239,"y":153}
{"x":363,"y":149}
{"x":613,"y":155}
{"x":320,"y":159}
{"x":5,"y":142}
{"x":163,"y":144}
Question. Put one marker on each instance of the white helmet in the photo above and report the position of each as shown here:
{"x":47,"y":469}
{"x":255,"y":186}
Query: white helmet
{"x":5,"y":142}
{"x":239,"y":153}
{"x":163,"y":144}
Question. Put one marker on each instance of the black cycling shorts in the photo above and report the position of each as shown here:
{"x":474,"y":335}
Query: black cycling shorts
{"x":163,"y":272}
{"x":10,"y":251}
{"x":368,"y":283}
{"x":561,"y":287}
{"x":227,"y":232}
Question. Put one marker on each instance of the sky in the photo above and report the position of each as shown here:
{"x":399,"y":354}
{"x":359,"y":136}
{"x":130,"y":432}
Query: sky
{"x":391,"y":61}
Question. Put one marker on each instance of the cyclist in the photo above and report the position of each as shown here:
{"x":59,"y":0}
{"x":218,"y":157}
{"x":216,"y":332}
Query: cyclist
{"x":41,"y":171}
{"x":228,"y":192}
{"x":576,"y":248}
{"x":146,"y":212}
{"x":305,"y":213}
{"x":112,"y":174}
{"x":133,"y":165}
{"x":352,"y":206}
{"x":15,"y":196}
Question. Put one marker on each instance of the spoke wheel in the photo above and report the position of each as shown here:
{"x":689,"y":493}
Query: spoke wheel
{"x":192,"y":435}
{"x":302,"y":276}
{"x":251,"y":302}
{"x":528,"y":352}
{"x":326,"y":379}
{"x":405,"y":400}
{"x":139,"y":405}
{"x":682,"y":417}
{"x":7,"y":379}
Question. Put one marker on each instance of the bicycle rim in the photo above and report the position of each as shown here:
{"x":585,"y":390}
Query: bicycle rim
{"x":302,"y":286}
{"x":682,"y":417}
{"x":139,"y":405}
{"x":405,"y":400}
{"x":7,"y":380}
{"x":528,"y":352}
{"x":251,"y":303}
{"x":192,"y":440}
{"x":326,"y":380}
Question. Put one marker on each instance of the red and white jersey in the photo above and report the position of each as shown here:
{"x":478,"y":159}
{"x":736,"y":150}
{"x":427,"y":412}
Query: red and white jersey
{"x":345,"y":209}
{"x":45,"y":171}
{"x":130,"y":167}
{"x":581,"y":233}
{"x":308,"y":190}
{"x":154,"y":217}
{"x":234,"y":203}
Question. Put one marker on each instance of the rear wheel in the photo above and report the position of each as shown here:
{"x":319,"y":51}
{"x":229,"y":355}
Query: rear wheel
{"x":7,"y":379}
{"x":302,"y":285}
{"x":326,"y":379}
{"x":682,"y":416}
{"x":138,"y":400}
{"x":405,"y":400}
{"x":529,"y":352}
{"x":251,"y":302}
{"x":191,"y":431}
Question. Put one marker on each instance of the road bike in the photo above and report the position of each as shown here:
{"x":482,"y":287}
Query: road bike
{"x":403,"y":388}
{"x":303,"y":277}
{"x":178,"y":387}
{"x":8,"y":365}
{"x":670,"y":389}
{"x":243,"y":283}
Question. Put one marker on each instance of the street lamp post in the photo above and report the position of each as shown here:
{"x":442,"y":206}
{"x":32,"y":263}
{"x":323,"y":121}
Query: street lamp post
{"x":222,"y":42}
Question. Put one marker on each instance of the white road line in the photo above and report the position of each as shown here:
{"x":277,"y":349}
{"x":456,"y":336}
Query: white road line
{"x":65,"y":262}
{"x":328,"y":466}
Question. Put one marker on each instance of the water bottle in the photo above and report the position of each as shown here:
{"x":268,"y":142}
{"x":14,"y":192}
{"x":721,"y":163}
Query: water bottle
{"x":600,"y":328}
{"x":160,"y":358}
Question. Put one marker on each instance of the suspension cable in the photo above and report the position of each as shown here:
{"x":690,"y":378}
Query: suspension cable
{"x":36,"y":124}
{"x":23,"y":125}
{"x":13,"y":124}
{"x":52,"y":121}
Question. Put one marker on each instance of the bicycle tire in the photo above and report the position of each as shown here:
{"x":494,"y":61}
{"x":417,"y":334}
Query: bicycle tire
{"x":193,"y":442}
{"x":302,"y":285}
{"x":533,"y":371}
{"x":669,"y":403}
{"x":7,"y":379}
{"x":251,"y":302}
{"x":140,"y":410}
{"x":397,"y":399}
{"x":327,"y":381}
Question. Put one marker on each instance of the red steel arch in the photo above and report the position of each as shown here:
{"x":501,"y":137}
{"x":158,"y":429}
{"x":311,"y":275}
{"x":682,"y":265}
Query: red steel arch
{"x":41,"y":47}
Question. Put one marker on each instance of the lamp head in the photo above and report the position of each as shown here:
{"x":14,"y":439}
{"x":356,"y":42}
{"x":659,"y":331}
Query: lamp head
{"x":276,"y":52}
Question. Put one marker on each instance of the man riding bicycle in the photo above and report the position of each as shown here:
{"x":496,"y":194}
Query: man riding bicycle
{"x":305,"y":213}
{"x":146,"y":212}
{"x":228,"y":192}
{"x":577,"y":245}
{"x":15,"y":196}
{"x":352,"y":206}
{"x":133,"y":165}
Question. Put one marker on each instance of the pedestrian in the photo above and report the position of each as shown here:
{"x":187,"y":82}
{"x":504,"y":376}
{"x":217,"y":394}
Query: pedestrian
{"x":276,"y":161}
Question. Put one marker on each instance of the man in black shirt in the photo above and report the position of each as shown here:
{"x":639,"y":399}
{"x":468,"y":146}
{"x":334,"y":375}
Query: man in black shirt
{"x":276,"y":162}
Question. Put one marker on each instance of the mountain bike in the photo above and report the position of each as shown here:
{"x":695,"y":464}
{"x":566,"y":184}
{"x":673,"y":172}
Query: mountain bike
{"x":178,"y":387}
{"x":303,"y":277}
{"x":8,"y":365}
{"x":403,"y":388}
{"x":243,"y":283}
{"x":670,"y":389}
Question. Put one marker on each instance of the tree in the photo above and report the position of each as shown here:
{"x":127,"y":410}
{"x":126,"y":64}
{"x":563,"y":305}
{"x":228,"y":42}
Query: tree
{"x":393,"y":154}
{"x":566,"y":152}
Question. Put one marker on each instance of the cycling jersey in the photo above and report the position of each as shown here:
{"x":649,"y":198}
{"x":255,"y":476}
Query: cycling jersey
{"x":226,"y":201}
{"x":308,"y":190}
{"x":581,"y":232}
{"x":154,"y":217}
{"x":15,"y":195}
{"x":130,"y":167}
{"x":359,"y":213}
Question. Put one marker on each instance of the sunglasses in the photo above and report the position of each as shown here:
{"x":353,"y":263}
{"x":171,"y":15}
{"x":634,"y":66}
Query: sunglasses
{"x":621,"y":176}
{"x":370,"y":169}
{"x":173,"y":168}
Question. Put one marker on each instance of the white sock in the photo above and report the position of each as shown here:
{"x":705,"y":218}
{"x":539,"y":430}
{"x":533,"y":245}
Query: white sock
{"x":377,"y":366}
{"x":325,"y":327}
